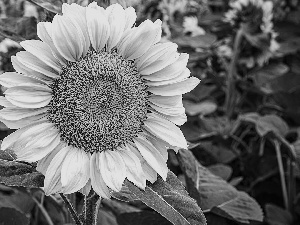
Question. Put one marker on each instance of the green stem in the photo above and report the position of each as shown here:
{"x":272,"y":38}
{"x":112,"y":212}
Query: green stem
{"x":43,"y":210}
{"x":92,"y":203}
{"x":71,"y":210}
{"x":282,"y":176}
{"x":230,"y":96}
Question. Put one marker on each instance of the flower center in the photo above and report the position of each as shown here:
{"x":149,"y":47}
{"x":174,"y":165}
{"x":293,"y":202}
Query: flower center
{"x":99,"y":102}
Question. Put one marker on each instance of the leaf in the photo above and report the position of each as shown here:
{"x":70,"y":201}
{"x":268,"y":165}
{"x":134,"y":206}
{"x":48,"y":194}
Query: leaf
{"x":271,"y":123}
{"x":17,"y":199}
{"x":18,"y":28}
{"x":287,"y":82}
{"x":200,"y":41}
{"x":19,"y":174}
{"x":263,"y":76}
{"x":216,"y":195}
{"x":204,"y":108}
{"x":169,"y":198}
{"x":220,"y":153}
{"x":221,"y":170}
{"x":106,"y":218}
{"x":144,"y":217}
{"x":10,"y":216}
{"x":50,"y":5}
{"x":266,"y":124}
{"x":278,"y":216}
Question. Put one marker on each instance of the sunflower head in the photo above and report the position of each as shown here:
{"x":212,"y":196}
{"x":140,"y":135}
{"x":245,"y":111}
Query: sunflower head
{"x":254,"y":16}
{"x":96,"y":100}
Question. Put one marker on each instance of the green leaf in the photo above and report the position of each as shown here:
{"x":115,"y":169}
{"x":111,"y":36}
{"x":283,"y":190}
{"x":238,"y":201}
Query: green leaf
{"x":169,"y":198}
{"x":221,"y":170}
{"x":50,"y":5}
{"x":278,"y":216}
{"x":18,"y":28}
{"x":215,"y":194}
{"x":10,"y":216}
{"x":266,"y":124}
{"x":19,"y":174}
{"x":201,"y":41}
{"x":144,"y":218}
{"x":263,"y":76}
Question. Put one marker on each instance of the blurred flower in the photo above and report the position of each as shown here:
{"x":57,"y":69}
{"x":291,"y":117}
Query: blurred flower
{"x":96,"y":101}
{"x":30,"y":10}
{"x":254,"y":17}
{"x":8,"y":43}
{"x":170,"y":7}
{"x":190,"y":25}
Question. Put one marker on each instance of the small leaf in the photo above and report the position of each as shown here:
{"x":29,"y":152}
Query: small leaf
{"x":144,"y":218}
{"x":221,"y":170}
{"x":215,"y":194}
{"x":203,"y":108}
{"x":266,"y":124}
{"x":170,"y":199}
{"x":272,"y":123}
{"x":278,"y":216}
{"x":19,"y":174}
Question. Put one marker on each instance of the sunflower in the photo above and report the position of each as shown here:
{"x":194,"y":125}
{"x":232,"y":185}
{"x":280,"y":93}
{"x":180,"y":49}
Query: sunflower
{"x":96,"y":100}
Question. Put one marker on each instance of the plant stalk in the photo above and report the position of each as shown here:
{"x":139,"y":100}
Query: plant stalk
{"x":230,"y":97}
{"x":92,"y":203}
{"x":282,"y":176}
{"x":71,"y":209}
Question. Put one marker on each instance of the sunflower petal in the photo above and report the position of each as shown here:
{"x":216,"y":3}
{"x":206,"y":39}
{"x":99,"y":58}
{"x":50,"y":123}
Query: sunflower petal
{"x":134,"y":169}
{"x":178,"y":88}
{"x":75,"y":170}
{"x":98,"y":27}
{"x":152,"y":156}
{"x":165,"y":130}
{"x":117,"y":20}
{"x":11,"y":79}
{"x":112,"y":169}
{"x":52,"y":182}
{"x":67,"y":38}
{"x":98,"y":183}
{"x":29,"y":96}
{"x":43,"y":52}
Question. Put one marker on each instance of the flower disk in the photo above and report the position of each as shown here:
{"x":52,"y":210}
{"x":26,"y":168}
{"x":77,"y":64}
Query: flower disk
{"x":99,"y":102}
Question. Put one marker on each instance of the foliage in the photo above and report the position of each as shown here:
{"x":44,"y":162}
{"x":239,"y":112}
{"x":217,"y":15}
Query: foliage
{"x":243,"y":161}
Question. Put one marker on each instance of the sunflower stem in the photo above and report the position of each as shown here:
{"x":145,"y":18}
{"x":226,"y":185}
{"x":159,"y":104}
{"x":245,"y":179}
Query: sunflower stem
{"x":92,"y":203}
{"x":282,"y":175}
{"x":230,"y":96}
{"x":71,"y":209}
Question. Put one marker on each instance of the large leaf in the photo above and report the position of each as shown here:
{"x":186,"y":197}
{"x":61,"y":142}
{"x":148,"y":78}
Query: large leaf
{"x":169,"y":198}
{"x":10,"y":216}
{"x":144,"y":217}
{"x":215,"y":194}
{"x":18,"y":29}
{"x":14,"y":173}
